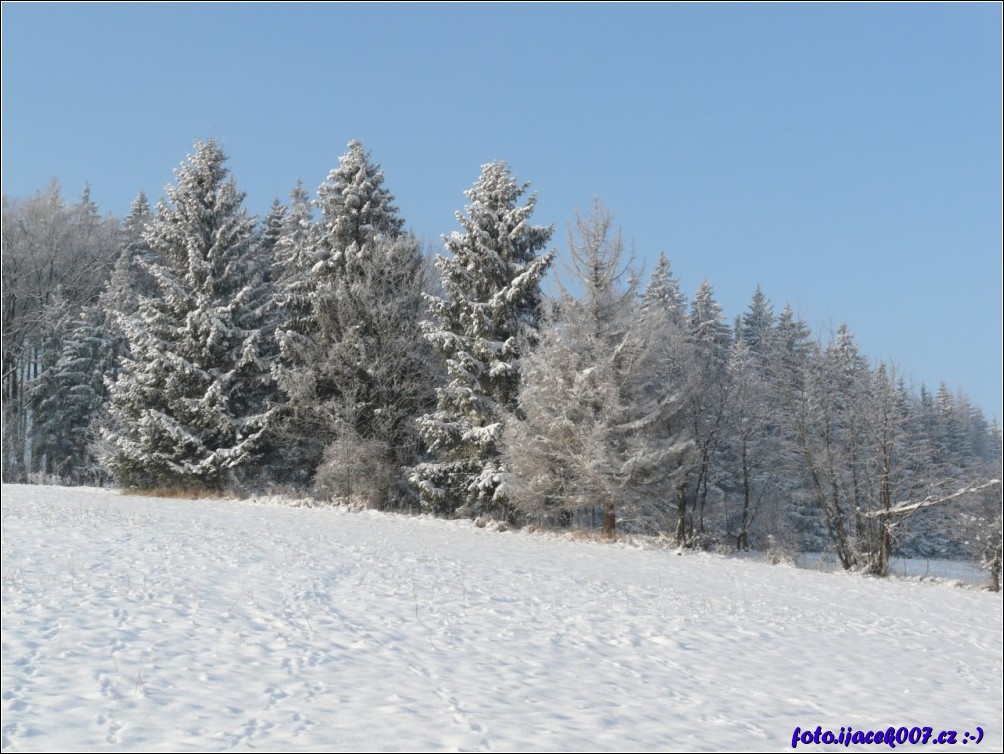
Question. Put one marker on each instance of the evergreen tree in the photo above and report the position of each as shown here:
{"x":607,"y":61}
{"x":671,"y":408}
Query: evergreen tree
{"x":70,"y":394}
{"x":45,"y":399}
{"x":297,"y":448}
{"x":757,"y":324}
{"x":272,"y":226}
{"x":292,"y":274}
{"x":794,"y":344}
{"x":710,"y":340}
{"x":663,"y":294}
{"x":709,"y":334}
{"x":750,"y":441}
{"x":130,"y":280}
{"x":263,"y":310}
{"x":797,"y":521}
{"x":187,"y":408}
{"x":269,"y":253}
{"x":386,"y":375}
{"x":487,"y":316}
{"x":751,"y":446}
{"x":353,"y":364}
{"x":356,"y":209}
{"x":951,"y":441}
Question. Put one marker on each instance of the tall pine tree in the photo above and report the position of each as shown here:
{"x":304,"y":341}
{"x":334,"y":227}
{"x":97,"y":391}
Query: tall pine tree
{"x":707,"y":399}
{"x":187,"y":409}
{"x":70,"y":393}
{"x":489,"y":311}
{"x":353,"y":365}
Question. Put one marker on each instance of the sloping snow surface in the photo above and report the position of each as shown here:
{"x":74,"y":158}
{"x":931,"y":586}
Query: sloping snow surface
{"x":173,"y":625}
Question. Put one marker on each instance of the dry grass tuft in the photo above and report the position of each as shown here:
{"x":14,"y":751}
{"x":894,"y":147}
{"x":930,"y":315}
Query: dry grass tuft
{"x":590,"y":535}
{"x":191,"y":493}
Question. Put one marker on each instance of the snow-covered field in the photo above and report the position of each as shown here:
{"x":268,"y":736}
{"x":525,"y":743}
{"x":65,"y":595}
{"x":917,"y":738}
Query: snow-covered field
{"x":174,"y":625}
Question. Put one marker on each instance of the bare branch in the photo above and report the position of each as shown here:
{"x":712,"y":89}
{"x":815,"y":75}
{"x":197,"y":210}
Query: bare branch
{"x":908,"y":507}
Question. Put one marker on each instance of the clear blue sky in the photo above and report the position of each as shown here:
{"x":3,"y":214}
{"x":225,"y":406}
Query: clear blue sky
{"x":845,"y":157}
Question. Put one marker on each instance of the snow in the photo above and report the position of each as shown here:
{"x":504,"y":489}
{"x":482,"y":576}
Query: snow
{"x":142,"y":624}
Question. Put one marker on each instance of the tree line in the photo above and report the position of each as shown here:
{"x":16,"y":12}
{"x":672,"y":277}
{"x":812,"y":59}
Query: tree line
{"x":194,"y":346}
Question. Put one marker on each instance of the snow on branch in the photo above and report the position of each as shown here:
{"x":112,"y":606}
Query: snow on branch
{"x":908,"y":507}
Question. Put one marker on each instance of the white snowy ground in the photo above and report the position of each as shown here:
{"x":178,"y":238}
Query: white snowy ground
{"x":172,"y":625}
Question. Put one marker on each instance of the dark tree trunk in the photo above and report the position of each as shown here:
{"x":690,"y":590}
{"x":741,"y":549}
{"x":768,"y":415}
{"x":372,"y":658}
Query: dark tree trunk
{"x":681,"y":512}
{"x":609,"y":521}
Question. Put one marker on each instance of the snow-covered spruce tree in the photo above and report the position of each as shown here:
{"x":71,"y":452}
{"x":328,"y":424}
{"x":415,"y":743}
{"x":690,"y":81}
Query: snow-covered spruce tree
{"x":788,"y":384}
{"x":267,"y":252}
{"x":950,"y":438}
{"x":710,"y":339}
{"x":749,"y":441}
{"x":663,"y":295}
{"x":129,"y":284}
{"x":385,"y":373}
{"x":487,"y":316}
{"x":293,"y":302}
{"x":664,"y":310}
{"x":356,"y":209}
{"x":187,"y":408}
{"x":46,"y":416}
{"x":262,"y":309}
{"x":291,"y":272}
{"x":957,"y":446}
{"x":70,"y":394}
{"x":751,"y":445}
{"x":354,"y":366}
{"x":757,"y":327}
{"x":130,"y":281}
{"x":592,"y":439}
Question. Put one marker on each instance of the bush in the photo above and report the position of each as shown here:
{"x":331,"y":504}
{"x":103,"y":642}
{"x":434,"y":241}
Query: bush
{"x":356,"y":471}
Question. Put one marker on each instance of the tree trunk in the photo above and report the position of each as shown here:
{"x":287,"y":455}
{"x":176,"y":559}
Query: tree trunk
{"x":681,"y":512}
{"x":995,"y":569}
{"x":609,"y":520}
{"x":885,"y":522}
{"x":742,"y":541}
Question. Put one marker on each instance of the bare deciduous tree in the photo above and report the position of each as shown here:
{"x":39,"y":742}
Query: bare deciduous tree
{"x":594,"y":433}
{"x":47,"y":245}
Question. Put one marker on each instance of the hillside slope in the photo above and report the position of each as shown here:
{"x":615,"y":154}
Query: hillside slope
{"x":177,"y":625}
